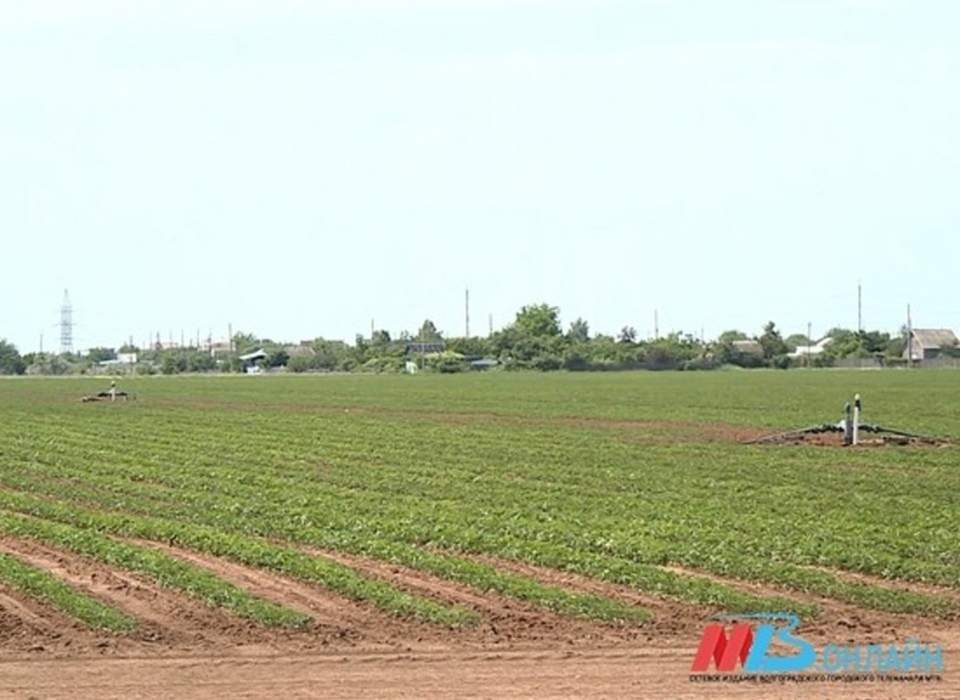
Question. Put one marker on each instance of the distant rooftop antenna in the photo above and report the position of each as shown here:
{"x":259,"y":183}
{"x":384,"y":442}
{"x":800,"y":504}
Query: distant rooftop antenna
{"x":66,"y":324}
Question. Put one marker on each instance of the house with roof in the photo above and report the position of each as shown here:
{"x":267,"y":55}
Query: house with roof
{"x":812,"y":349}
{"x":748,"y":347}
{"x":928,"y":343}
{"x":425,"y":347}
{"x":250,"y":361}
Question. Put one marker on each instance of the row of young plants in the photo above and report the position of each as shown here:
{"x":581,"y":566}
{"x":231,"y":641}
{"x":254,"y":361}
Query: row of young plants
{"x":266,"y":485}
{"x":274,"y":517}
{"x":165,"y":570}
{"x":260,"y":489}
{"x":50,"y":590}
{"x":667,"y":500}
{"x":721,"y":509}
{"x":292,"y":561}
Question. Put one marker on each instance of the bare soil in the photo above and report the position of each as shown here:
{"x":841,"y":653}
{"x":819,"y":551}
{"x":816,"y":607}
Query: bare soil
{"x":187,"y":649}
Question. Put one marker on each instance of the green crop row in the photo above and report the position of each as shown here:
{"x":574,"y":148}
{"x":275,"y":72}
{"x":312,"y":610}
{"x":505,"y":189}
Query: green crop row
{"x":165,"y":570}
{"x":81,"y":531}
{"x":254,"y":551}
{"x":346,"y":536}
{"x":604,"y":562}
{"x":48,"y":589}
{"x":554,"y":470}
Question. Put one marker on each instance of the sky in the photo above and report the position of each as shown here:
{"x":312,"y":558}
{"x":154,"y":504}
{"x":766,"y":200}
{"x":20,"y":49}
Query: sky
{"x":298,"y":169}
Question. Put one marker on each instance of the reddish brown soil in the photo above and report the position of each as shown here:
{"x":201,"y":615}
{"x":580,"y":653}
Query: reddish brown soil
{"x":187,"y":649}
{"x":636,"y":430}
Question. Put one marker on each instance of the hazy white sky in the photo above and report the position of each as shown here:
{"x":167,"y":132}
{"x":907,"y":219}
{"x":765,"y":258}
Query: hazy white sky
{"x":298,"y":168}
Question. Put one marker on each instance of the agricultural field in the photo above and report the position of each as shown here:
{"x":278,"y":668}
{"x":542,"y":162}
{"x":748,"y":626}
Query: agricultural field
{"x":493,"y":530}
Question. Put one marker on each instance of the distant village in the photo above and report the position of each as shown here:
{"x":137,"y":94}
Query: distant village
{"x":535,"y":340}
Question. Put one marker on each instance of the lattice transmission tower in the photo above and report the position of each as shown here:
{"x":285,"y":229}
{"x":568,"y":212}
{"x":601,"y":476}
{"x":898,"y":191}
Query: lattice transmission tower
{"x":66,"y":324}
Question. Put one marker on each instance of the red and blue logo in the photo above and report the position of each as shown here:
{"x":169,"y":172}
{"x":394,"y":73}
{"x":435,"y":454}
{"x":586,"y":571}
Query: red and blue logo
{"x":763,"y":646}
{"x":750,"y":648}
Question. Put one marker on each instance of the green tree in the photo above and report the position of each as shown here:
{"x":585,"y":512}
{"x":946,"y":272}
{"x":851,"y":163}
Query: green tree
{"x":200,"y":361}
{"x":579,"y":331}
{"x":101,"y":354}
{"x":173,"y":362}
{"x":300,"y":363}
{"x":797,"y":340}
{"x":771,"y":342}
{"x":533,"y":341}
{"x":277,"y":356}
{"x":328,"y":354}
{"x":730,"y":336}
{"x":539,"y":321}
{"x":361,"y":350}
{"x":628,"y":334}
{"x":469,"y":347}
{"x":10,"y":360}
{"x":50,"y":364}
{"x":245,"y":342}
{"x":428,"y":333}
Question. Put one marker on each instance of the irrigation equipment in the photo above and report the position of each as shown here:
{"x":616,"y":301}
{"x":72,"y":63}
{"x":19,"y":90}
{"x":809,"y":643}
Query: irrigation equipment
{"x":851,"y":429}
{"x":111,"y":394}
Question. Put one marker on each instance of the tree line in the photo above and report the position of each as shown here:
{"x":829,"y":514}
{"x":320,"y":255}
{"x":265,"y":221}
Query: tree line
{"x":535,"y":340}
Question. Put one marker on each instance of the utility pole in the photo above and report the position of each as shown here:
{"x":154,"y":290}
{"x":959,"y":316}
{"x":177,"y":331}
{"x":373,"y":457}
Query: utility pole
{"x":809,"y":342}
{"x":859,"y":308}
{"x":467,"y":312}
{"x":656,"y":326}
{"x":909,"y":338}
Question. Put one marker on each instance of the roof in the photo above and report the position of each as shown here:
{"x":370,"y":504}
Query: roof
{"x":255,"y":355}
{"x":814,"y":349}
{"x":748,"y":346}
{"x":424,"y":347}
{"x":485,"y":363}
{"x":300,"y":350}
{"x":934,"y":337}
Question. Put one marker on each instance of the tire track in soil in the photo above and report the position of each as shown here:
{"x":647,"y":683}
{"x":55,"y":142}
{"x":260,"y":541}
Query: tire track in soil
{"x":841,"y":622}
{"x":951,"y":594}
{"x":674,"y":619}
{"x":505,"y":619}
{"x":165,"y":616}
{"x":338,"y":620}
{"x":671,"y":618}
{"x":14,"y":607}
{"x":26,"y":625}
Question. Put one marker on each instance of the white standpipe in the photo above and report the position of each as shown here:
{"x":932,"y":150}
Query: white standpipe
{"x":856,"y":418}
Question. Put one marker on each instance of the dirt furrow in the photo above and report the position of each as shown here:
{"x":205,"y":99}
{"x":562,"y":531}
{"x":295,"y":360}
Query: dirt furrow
{"x":671,"y":617}
{"x":952,"y":594}
{"x":27,"y":626}
{"x":506,"y":619}
{"x":843,"y":622}
{"x":165,"y":615}
{"x":339,"y":620}
{"x":14,"y":607}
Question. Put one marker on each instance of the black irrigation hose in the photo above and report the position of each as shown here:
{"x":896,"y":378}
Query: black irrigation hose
{"x":830,"y":428}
